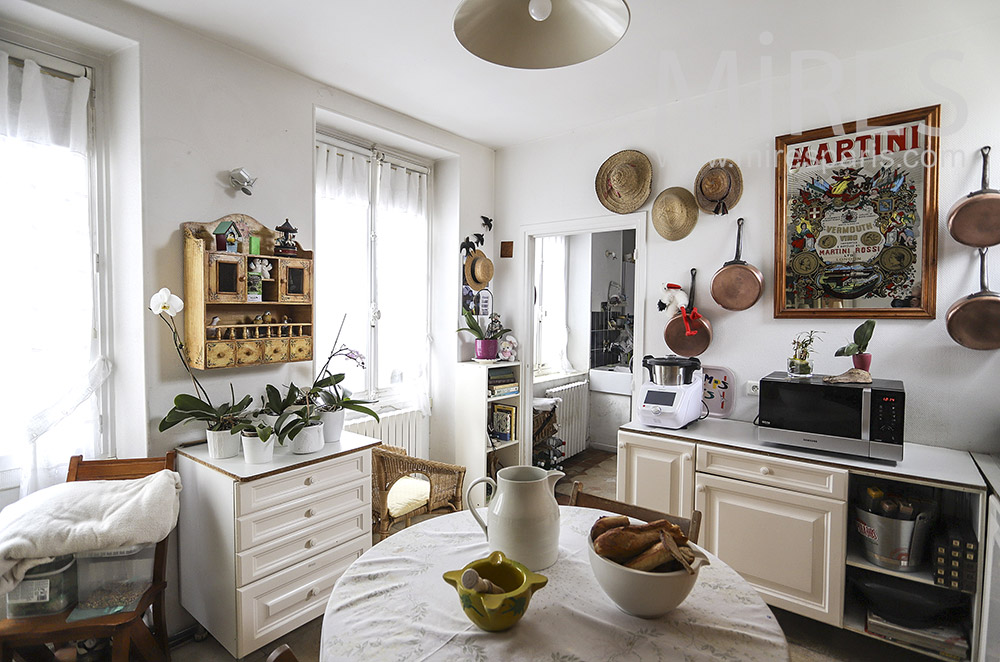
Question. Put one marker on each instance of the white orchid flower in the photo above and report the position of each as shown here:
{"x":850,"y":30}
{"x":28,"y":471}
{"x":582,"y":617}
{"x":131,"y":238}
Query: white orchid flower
{"x":165,"y":302}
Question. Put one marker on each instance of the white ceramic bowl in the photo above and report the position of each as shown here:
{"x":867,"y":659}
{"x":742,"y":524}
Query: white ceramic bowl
{"x":641,"y":593}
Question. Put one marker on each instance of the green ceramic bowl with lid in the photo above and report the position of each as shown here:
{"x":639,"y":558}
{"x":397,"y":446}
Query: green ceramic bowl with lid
{"x":494,"y":612}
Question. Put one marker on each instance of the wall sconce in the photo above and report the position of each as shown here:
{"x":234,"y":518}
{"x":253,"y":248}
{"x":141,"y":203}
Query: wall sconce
{"x":241,"y":180}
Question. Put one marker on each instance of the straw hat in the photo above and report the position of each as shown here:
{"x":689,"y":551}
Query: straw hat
{"x":478,"y":270}
{"x":623,"y":181}
{"x":675,"y":211}
{"x":718,"y":186}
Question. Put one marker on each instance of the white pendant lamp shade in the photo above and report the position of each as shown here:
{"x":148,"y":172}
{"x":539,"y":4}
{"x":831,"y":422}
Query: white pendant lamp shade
{"x":540,"y":34}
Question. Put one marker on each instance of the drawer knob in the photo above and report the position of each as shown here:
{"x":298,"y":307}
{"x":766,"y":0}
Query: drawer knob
{"x":764,"y":471}
{"x":621,"y":444}
{"x":310,"y":543}
{"x":700,"y":489}
{"x":310,"y":480}
{"x":310,"y":513}
{"x":686,"y":457}
{"x":312,"y":593}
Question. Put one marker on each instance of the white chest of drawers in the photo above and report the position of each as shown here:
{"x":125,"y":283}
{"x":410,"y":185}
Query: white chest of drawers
{"x":261,"y":545}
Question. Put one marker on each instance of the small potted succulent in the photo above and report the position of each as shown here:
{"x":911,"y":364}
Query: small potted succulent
{"x":858,"y":350}
{"x":799,"y":364}
{"x":486,"y":341}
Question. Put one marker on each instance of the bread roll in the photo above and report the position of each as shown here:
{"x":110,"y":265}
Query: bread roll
{"x":628,"y":541}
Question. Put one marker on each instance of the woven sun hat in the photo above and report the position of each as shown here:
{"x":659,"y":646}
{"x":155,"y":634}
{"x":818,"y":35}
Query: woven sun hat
{"x":623,"y":181}
{"x":478,"y":270}
{"x":675,"y":211}
{"x":718,"y":186}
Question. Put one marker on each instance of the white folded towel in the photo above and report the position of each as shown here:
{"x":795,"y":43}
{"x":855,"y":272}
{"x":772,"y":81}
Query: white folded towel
{"x":85,"y":515}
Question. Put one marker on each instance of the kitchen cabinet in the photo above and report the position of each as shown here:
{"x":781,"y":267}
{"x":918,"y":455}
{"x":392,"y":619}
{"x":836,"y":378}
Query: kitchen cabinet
{"x":231,"y":323}
{"x":785,"y":518}
{"x":656,"y":473}
{"x":260,"y":546}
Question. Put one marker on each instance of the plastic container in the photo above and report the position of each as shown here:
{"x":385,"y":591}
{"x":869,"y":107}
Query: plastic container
{"x":898,"y":544}
{"x":46,"y":589}
{"x":113,"y":580}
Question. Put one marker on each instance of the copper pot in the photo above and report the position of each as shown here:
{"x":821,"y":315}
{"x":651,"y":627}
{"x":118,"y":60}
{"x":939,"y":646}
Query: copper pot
{"x":974,"y":321}
{"x":975,"y":219}
{"x":737,"y":285}
{"x":688,"y":333}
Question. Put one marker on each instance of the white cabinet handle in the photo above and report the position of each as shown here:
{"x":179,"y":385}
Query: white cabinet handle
{"x":310,"y":543}
{"x":312,"y":593}
{"x":310,"y":513}
{"x":700,"y":489}
{"x":310,"y":480}
{"x":764,"y":471}
{"x":621,"y":444}
{"x":686,"y":457}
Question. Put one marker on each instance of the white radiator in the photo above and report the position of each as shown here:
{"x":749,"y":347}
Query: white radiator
{"x":572,"y":414}
{"x":407,"y":429}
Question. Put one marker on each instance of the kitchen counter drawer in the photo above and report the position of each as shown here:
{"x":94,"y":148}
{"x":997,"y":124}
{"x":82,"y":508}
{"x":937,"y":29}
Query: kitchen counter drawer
{"x":304,"y":512}
{"x":278,"y":604}
{"x":263,"y":560}
{"x":762,"y":469}
{"x":256,"y":495}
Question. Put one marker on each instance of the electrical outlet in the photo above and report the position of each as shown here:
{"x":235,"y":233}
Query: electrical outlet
{"x":753,"y":388}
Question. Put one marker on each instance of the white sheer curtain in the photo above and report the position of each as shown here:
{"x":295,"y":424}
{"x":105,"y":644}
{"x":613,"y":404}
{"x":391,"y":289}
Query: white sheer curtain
{"x":57,"y":369}
{"x":551,"y":289}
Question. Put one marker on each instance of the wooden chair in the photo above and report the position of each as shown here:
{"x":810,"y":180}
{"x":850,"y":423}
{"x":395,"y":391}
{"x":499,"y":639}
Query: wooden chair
{"x":690,"y":527}
{"x":27,"y":636}
{"x":282,"y":653}
{"x":391,"y":465}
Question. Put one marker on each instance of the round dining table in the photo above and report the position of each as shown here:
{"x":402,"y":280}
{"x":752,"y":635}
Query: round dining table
{"x":392,"y":604}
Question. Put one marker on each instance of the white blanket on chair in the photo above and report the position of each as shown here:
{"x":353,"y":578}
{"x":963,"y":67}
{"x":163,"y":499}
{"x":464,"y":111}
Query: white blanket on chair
{"x":85,"y":515}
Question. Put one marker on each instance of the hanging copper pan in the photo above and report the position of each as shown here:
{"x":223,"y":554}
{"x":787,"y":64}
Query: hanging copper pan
{"x":737,"y":285}
{"x":688,"y":333}
{"x":974,"y":321}
{"x":975,"y":219}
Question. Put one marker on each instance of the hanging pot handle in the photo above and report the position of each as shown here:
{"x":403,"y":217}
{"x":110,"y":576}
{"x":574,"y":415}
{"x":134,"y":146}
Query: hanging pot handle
{"x":986,"y":167}
{"x":691,"y":293}
{"x":983,"y":282}
{"x":739,"y":239}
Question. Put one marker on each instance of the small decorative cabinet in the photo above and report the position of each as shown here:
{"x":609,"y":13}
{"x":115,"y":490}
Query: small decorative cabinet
{"x":235,"y":316}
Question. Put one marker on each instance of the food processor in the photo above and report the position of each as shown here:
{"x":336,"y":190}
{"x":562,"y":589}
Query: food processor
{"x":672,"y":397}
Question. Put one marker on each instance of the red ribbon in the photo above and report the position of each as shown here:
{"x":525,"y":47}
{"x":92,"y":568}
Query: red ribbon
{"x":688,"y":318}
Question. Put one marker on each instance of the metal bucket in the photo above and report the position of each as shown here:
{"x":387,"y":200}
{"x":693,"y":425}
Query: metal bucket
{"x":897,"y":544}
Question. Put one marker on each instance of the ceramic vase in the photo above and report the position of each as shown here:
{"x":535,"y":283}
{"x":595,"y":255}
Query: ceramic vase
{"x":486,"y":348}
{"x":222,"y":444}
{"x":862,"y":361}
{"x":308,"y":440}
{"x":256,"y":451}
{"x":333,"y":425}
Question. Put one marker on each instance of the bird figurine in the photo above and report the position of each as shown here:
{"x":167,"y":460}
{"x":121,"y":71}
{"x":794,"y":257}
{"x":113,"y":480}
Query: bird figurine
{"x":285,"y":330}
{"x":468,"y":247}
{"x":268,"y":317}
{"x":487,"y":223}
{"x":480,"y":239}
{"x":213,"y":332}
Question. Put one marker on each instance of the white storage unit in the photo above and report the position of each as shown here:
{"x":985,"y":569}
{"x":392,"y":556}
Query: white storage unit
{"x":261,"y":545}
{"x":656,"y":473}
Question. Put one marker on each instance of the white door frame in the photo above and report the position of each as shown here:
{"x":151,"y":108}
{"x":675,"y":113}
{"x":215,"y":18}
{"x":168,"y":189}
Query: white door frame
{"x":526,"y":352}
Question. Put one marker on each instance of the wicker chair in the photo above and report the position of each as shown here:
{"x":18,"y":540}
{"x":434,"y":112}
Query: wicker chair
{"x":391,"y":466}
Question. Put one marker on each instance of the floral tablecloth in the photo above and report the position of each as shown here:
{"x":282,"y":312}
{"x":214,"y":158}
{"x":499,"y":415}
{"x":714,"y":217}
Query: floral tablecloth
{"x":392,"y":604}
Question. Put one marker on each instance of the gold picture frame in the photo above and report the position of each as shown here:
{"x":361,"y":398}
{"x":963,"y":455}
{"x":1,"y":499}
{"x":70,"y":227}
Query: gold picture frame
{"x":856,"y":219}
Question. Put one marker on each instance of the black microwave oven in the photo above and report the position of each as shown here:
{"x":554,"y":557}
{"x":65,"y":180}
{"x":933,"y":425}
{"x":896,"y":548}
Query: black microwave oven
{"x":854,"y":419}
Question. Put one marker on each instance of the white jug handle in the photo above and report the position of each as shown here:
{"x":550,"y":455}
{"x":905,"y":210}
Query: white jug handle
{"x":468,"y":500}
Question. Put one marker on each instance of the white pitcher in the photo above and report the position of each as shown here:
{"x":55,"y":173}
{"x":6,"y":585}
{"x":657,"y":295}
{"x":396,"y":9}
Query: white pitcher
{"x":523,"y":515}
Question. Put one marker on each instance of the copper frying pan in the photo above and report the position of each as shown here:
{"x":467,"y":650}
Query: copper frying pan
{"x":688,"y":333}
{"x":737,"y":285}
{"x":975,"y":219}
{"x":974,"y":321}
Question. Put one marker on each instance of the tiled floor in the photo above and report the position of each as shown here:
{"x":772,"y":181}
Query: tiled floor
{"x":809,"y":641}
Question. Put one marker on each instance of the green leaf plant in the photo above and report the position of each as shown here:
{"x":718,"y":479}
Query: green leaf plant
{"x":862,"y":336}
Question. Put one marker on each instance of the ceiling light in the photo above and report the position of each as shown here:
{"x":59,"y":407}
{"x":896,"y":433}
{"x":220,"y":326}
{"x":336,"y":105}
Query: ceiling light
{"x":540,"y":34}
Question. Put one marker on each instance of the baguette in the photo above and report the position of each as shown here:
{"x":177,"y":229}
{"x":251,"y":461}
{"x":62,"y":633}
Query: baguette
{"x":627,"y":541}
{"x":606,"y":523}
{"x":664,"y":551}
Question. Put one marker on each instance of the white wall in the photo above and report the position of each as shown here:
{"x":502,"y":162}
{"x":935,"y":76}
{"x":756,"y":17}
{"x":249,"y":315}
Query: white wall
{"x":951,"y":391}
{"x":605,"y":269}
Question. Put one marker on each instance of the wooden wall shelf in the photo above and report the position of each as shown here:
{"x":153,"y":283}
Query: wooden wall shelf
{"x":215,"y":286}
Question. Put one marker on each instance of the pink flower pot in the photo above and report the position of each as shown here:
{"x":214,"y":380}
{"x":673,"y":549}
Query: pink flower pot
{"x":486,"y":349}
{"x":862,"y":361}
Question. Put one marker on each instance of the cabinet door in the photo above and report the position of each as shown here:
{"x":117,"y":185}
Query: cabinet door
{"x":656,"y":473}
{"x":295,"y":280}
{"x":991,"y":587}
{"x":227,"y":278}
{"x":789,"y":545}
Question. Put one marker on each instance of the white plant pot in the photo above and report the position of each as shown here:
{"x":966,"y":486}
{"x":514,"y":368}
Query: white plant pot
{"x":256,"y":451}
{"x":222,"y":444}
{"x":308,"y":440}
{"x":333,"y":425}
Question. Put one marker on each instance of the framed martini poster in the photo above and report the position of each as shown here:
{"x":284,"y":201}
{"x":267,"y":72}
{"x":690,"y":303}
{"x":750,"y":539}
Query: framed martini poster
{"x":856,"y":218}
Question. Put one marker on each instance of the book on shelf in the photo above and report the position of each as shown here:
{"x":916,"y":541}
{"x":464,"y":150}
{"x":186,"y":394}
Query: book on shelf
{"x":497,"y":377}
{"x":504,"y":420}
{"x":946,"y":640}
{"x":505,"y":390}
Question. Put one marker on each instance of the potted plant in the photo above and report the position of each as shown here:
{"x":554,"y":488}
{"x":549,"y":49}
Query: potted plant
{"x":257,"y":437}
{"x":858,"y":350}
{"x":303,"y":427}
{"x":799,"y":364}
{"x":486,"y":341}
{"x":332,"y":399}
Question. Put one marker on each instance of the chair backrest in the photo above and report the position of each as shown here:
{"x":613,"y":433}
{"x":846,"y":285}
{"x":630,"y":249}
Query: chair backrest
{"x":691,"y":527}
{"x":79,"y":469}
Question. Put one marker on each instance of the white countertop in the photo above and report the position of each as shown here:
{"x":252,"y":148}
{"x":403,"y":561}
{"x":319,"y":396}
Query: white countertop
{"x":935,"y":463}
{"x":284,"y":459}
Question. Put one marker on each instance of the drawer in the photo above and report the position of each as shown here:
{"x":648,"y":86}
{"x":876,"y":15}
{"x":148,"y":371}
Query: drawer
{"x":220,"y":354}
{"x":263,"y":560}
{"x":774,"y":471}
{"x":264,"y":493}
{"x":276,"y":605}
{"x":302,"y":513}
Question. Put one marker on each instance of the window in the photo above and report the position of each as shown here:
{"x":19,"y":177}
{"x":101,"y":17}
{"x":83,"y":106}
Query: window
{"x":372,"y":240}
{"x":47,"y":202}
